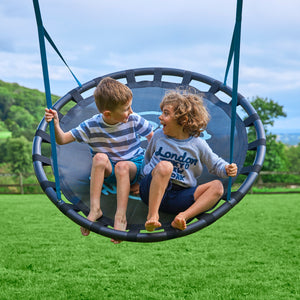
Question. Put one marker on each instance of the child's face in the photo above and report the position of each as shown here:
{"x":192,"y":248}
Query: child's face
{"x":170,"y":125}
{"x":121,"y":113}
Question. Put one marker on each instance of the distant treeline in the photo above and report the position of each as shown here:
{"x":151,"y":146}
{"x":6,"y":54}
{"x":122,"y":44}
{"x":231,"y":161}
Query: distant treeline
{"x":21,"y":109}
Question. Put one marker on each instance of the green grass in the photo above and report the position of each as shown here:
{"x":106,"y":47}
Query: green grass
{"x":279,"y":189}
{"x":250,"y":253}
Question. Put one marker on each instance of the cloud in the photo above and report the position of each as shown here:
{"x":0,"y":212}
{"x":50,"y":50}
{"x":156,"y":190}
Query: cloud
{"x":19,"y":65}
{"x":6,"y":44}
{"x":284,"y":125}
{"x":267,"y":80}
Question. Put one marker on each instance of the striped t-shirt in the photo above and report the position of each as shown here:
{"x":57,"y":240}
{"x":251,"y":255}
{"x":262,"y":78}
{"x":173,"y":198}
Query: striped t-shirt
{"x":119,"y":141}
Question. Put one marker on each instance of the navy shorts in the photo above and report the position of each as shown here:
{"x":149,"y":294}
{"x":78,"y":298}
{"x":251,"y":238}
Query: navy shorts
{"x":175,"y":200}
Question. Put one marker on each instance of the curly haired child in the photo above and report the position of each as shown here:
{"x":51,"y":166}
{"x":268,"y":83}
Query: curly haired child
{"x":174,"y":159}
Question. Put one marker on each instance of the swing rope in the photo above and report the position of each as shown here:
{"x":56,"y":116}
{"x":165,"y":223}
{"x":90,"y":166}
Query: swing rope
{"x":234,"y":52}
{"x":42,"y":33}
{"x":47,"y":36}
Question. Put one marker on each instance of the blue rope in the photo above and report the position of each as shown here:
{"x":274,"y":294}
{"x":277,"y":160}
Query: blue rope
{"x":230,"y":56}
{"x":47,"y":36}
{"x":234,"y":52}
{"x":48,"y":93}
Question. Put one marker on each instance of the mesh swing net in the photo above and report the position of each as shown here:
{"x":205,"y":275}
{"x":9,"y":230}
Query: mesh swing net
{"x":148,"y":85}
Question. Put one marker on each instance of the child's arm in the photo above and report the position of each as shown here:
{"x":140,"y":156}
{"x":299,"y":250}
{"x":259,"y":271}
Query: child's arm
{"x":60,"y":136}
{"x":231,"y":169}
{"x":149,"y":137}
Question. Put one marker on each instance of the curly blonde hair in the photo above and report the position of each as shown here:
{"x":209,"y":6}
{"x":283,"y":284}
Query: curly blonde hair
{"x":111,"y":93}
{"x":189,"y":111}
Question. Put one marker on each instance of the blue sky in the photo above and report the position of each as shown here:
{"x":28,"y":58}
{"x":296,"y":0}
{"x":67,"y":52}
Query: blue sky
{"x":98,"y":37}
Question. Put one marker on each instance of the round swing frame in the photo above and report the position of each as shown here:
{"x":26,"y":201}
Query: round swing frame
{"x":132,"y":78}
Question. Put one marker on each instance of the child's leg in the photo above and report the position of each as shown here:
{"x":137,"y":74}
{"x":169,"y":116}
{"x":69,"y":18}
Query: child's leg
{"x":135,"y":188}
{"x":161,"y":175}
{"x":101,"y":168}
{"x":206,"y":196}
{"x":125,"y":171}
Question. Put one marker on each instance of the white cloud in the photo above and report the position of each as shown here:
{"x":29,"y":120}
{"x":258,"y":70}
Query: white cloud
{"x":287,"y":125}
{"x":19,"y":65}
{"x":271,"y":80}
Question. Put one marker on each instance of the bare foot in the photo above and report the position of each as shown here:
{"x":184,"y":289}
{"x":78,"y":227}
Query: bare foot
{"x":119,"y":224}
{"x":152,"y":224}
{"x":92,"y":216}
{"x":135,"y":189}
{"x":179,"y":222}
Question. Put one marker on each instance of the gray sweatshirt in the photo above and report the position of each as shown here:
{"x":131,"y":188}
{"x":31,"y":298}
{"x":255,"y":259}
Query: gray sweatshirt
{"x":187,"y":157}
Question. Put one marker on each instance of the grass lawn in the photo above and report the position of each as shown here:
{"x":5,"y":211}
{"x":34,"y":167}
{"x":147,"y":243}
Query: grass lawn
{"x":250,"y":253}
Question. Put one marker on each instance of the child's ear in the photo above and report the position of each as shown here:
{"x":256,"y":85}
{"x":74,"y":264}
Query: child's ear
{"x":106,"y":113}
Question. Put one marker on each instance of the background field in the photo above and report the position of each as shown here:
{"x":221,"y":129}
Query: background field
{"x":251,"y":253}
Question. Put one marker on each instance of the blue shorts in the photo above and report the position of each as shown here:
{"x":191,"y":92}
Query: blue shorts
{"x":176,"y":198}
{"x":138,"y":161}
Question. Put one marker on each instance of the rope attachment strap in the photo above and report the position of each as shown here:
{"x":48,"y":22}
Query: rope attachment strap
{"x":48,"y":37}
{"x":234,"y":52}
{"x":41,"y":34}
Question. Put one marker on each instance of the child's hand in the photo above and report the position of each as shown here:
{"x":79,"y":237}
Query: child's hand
{"x":50,"y":114}
{"x":231,"y":169}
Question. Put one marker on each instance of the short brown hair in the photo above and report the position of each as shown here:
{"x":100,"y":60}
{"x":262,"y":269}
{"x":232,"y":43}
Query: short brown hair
{"x":110,"y":93}
{"x":189,"y":111}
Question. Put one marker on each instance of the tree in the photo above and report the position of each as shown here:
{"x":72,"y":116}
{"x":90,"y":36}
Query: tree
{"x":20,"y":122}
{"x":268,"y":110}
{"x":293,"y":156}
{"x":6,"y":101}
{"x":21,"y":109}
{"x":18,"y":154}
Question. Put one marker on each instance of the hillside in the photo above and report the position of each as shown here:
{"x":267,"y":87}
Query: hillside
{"x":21,"y":109}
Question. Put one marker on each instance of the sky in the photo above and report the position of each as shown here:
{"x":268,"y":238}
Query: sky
{"x":98,"y":37}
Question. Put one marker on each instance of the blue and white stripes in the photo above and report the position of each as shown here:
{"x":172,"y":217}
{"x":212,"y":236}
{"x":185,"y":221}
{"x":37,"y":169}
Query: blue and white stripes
{"x":119,"y":141}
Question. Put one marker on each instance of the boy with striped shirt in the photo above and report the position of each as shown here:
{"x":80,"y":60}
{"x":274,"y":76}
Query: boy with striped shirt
{"x":113,"y":138}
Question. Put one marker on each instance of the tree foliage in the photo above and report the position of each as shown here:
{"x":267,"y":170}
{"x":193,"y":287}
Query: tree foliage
{"x":17,"y":152}
{"x":293,"y":156}
{"x":268,"y":110}
{"x":6,"y":100}
{"x":21,"y":109}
